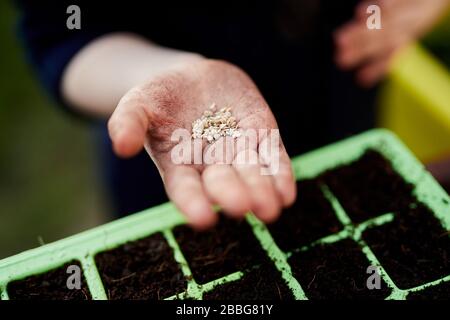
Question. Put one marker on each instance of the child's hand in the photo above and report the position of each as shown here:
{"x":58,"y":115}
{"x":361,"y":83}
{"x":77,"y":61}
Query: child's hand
{"x":370,"y":51}
{"x":149,"y":113}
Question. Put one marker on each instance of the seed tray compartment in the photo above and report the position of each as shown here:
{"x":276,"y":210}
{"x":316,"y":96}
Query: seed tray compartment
{"x":163,"y":219}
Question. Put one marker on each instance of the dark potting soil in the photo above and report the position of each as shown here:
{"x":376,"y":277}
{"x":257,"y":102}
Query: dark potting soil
{"x":228,"y":247}
{"x":368,"y":187}
{"x":310,"y":218}
{"x":414,"y":248}
{"x":335,"y":271}
{"x":141,"y":270}
{"x":438,"y":292}
{"x":51,"y":285}
{"x":261,"y":283}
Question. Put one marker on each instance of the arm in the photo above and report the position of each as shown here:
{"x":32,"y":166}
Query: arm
{"x":104,"y":70}
{"x":153,"y":91}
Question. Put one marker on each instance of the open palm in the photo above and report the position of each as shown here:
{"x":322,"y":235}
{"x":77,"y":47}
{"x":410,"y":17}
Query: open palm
{"x":150,"y":113}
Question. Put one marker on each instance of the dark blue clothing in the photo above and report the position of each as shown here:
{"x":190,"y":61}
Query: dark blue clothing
{"x":284,"y":45}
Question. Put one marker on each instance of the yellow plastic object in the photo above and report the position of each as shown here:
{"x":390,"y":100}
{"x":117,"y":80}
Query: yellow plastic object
{"x":415,"y":103}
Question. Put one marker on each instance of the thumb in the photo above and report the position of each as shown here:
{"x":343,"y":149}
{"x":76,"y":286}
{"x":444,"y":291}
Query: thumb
{"x":128,"y":127}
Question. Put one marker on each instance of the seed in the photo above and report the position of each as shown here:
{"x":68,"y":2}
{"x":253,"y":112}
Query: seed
{"x":215,"y":124}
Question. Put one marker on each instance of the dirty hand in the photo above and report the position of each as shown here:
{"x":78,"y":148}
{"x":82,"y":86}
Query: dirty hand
{"x":370,"y":51}
{"x":149,"y":113}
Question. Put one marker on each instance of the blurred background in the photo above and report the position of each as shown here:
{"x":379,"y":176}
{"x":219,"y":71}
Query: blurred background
{"x":49,"y":182}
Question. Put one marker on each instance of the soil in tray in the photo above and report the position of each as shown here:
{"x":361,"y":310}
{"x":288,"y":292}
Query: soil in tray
{"x":51,"y":285}
{"x":141,"y":270}
{"x":228,"y":247}
{"x":261,"y":283}
{"x":335,"y":271}
{"x":438,"y":292}
{"x":310,"y":218}
{"x":414,"y":248}
{"x":368,"y":187}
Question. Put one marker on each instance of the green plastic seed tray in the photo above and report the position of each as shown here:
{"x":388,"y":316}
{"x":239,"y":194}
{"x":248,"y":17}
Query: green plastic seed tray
{"x":162,"y":219}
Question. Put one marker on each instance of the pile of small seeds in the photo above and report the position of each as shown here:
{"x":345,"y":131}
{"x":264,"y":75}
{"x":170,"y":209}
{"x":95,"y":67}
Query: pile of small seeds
{"x":215,"y":124}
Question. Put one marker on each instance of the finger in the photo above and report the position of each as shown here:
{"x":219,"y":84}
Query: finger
{"x":265,"y":203}
{"x":285,"y":184}
{"x":283,"y":178}
{"x":274,"y":156}
{"x":386,"y":7}
{"x":224,"y":187}
{"x":357,"y":44}
{"x":128,"y":127}
{"x":371,"y":73}
{"x":184,"y":187}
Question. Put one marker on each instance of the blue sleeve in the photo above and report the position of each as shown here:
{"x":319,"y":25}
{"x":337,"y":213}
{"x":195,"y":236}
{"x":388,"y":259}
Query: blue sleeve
{"x":48,"y":43}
